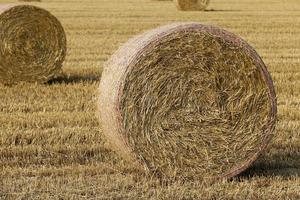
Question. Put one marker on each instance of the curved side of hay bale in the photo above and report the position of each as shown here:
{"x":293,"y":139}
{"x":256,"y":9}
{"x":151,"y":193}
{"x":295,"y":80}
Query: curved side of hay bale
{"x":191,"y":5}
{"x":32,"y":43}
{"x":112,"y":74}
{"x":188,"y":100}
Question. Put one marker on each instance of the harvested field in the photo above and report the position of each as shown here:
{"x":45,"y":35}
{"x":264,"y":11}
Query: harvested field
{"x":50,"y":138}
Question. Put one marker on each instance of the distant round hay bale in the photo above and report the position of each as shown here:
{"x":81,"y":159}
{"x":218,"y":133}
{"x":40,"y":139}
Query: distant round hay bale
{"x":32,"y":43}
{"x":187,"y":100}
{"x":192,"y":5}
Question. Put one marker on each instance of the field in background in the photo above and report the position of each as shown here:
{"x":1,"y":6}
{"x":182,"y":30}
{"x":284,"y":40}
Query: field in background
{"x":50,"y":140}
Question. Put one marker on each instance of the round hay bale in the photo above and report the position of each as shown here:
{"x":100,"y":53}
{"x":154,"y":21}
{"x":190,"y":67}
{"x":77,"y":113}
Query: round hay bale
{"x":192,"y":5}
{"x":187,"y":100}
{"x":32,"y":43}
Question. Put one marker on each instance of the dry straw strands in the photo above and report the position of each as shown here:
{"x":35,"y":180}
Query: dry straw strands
{"x":192,"y":5}
{"x":188,"y":100}
{"x":32,"y":43}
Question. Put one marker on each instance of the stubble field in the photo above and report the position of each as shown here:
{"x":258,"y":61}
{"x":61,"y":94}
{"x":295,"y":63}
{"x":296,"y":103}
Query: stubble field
{"x":51,"y":145}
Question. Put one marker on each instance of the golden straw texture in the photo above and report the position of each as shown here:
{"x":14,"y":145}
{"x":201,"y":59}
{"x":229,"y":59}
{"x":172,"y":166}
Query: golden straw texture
{"x":32,"y":43}
{"x":192,"y":5}
{"x":188,"y":100}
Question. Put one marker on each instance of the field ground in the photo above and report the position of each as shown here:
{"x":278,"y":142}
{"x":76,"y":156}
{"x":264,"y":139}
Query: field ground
{"x":50,"y":140}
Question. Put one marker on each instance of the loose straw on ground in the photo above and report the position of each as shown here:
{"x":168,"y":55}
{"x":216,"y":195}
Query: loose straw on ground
{"x":189,"y":101}
{"x":32,"y":43}
{"x":191,"y":5}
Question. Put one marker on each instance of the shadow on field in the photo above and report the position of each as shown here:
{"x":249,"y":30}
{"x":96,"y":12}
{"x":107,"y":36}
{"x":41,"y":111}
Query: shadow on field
{"x":263,"y":169}
{"x":69,"y":79}
{"x":220,"y":10}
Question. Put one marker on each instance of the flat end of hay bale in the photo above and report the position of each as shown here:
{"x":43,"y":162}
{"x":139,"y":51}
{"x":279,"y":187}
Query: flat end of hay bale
{"x":188,"y":100}
{"x":33,"y":44}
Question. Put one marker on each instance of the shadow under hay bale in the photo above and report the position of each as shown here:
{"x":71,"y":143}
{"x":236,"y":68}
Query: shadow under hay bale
{"x":74,"y":75}
{"x":189,"y":101}
{"x":30,"y":0}
{"x":219,"y":10}
{"x":32,"y":42}
{"x":73,"y":79}
{"x":278,"y":164}
{"x":262,"y":171}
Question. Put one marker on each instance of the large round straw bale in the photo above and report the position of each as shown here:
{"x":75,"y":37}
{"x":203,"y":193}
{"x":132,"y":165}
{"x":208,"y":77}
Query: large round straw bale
{"x":32,"y":43}
{"x":188,"y":100}
{"x":192,"y":5}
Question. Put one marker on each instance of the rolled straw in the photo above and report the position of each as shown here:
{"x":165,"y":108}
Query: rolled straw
{"x":187,"y":100}
{"x":32,"y":43}
{"x":191,"y":5}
